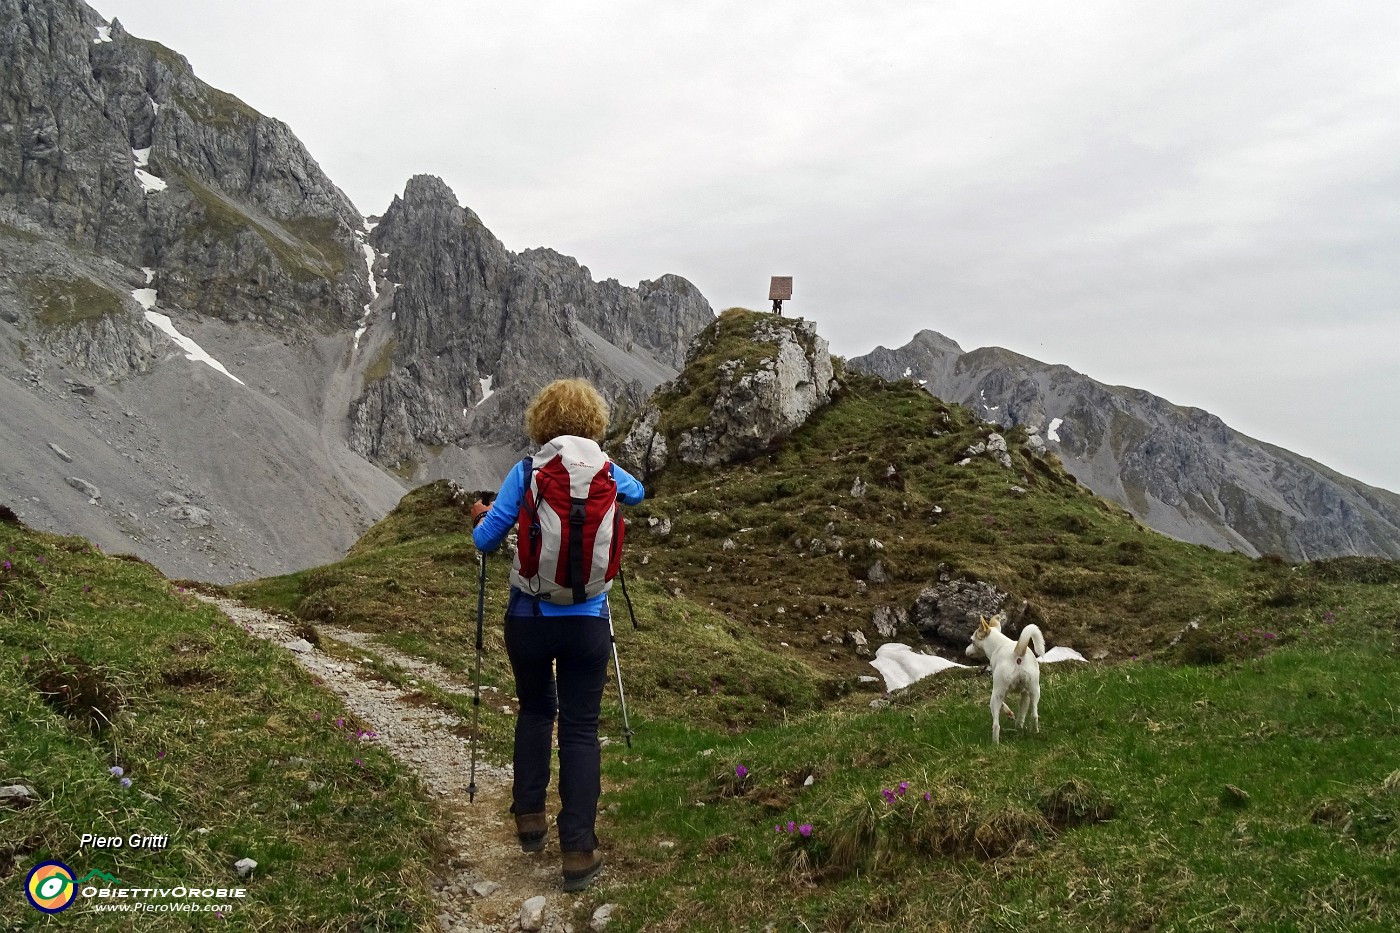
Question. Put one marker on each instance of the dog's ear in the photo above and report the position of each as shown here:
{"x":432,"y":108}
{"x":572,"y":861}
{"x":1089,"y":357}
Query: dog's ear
{"x":982,"y":627}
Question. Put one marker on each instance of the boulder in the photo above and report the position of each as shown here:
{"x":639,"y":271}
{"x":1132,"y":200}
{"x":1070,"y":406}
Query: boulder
{"x":84,"y":487}
{"x":947,"y":611}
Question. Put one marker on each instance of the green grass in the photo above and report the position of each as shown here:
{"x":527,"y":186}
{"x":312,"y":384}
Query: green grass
{"x":1315,"y":847}
{"x":63,"y":303}
{"x":231,"y":749}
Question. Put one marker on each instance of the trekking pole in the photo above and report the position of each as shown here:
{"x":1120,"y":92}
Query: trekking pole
{"x":617,"y":668}
{"x":476,"y":694}
{"x":622,"y":577}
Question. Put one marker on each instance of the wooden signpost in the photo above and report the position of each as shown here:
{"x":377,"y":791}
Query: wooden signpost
{"x":779,"y":290}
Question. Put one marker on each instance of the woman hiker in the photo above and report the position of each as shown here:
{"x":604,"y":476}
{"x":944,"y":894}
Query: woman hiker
{"x":557,"y":630}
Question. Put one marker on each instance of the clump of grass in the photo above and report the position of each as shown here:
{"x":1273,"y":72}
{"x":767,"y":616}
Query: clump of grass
{"x":1008,"y":832}
{"x":1371,"y":570}
{"x":305,"y":630}
{"x":1074,"y":803}
{"x":871,"y":834}
{"x":78,"y":690}
{"x":1370,"y":816}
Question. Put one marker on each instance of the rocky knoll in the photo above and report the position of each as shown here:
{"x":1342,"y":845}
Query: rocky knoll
{"x":473,"y":330}
{"x":1181,"y":471}
{"x":750,"y":379}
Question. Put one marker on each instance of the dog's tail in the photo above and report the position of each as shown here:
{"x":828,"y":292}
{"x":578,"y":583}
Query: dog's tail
{"x":1031,"y":633}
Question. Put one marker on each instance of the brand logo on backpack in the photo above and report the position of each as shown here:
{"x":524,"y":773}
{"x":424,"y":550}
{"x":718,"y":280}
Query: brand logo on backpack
{"x":570,"y":527}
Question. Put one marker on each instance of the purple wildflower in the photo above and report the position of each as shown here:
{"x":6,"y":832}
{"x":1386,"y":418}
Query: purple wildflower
{"x":359,"y":762}
{"x":126,"y":782}
{"x":1270,"y":635}
{"x":8,"y":565}
{"x":791,"y":826}
{"x":777,"y":828}
{"x":115,"y":771}
{"x":741,"y":772}
{"x":161,"y":755}
{"x":903,"y":788}
{"x":805,"y":829}
{"x":887,"y":794}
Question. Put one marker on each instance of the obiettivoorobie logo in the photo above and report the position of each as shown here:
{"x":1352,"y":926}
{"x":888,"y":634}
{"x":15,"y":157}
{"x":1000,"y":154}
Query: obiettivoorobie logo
{"x":51,"y":887}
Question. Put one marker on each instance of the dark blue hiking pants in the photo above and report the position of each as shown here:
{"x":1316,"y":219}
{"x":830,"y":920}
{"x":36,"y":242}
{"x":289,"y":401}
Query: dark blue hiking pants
{"x":561,"y":665}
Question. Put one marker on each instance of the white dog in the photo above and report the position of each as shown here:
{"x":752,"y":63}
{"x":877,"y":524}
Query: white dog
{"x":1014,"y":670}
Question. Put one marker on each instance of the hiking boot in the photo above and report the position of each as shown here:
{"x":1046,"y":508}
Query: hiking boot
{"x":531,"y":829}
{"x":580,"y":868}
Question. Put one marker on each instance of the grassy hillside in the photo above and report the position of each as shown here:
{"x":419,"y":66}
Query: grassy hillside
{"x":225,"y":746}
{"x":1228,"y":764}
{"x":1240,"y":777}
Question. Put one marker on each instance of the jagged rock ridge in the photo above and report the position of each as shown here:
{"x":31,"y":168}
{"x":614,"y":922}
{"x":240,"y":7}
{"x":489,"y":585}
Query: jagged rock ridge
{"x":476,"y":330}
{"x":1180,"y":470}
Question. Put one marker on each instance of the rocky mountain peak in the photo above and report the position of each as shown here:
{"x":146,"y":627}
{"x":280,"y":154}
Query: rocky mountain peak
{"x":473,"y":330}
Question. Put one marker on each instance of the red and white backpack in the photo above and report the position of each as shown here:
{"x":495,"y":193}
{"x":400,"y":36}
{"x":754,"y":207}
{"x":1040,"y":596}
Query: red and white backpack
{"x":569,"y":544}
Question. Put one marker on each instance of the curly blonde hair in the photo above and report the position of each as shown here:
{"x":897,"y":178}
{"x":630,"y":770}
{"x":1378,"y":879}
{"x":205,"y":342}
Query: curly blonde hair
{"x":566,"y":406}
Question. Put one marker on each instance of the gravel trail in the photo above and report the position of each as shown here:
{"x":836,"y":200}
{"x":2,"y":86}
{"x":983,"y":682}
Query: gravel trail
{"x":487,"y":882}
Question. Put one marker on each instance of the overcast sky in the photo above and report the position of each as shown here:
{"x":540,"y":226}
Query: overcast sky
{"x":1200,"y":199}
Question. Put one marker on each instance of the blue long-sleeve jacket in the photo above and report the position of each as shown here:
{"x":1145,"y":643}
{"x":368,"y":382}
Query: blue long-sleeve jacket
{"x":505,"y":510}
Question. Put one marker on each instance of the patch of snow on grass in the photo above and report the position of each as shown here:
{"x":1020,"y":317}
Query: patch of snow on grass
{"x":1061,"y":653}
{"x":901,"y":665}
{"x":193,"y":351}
